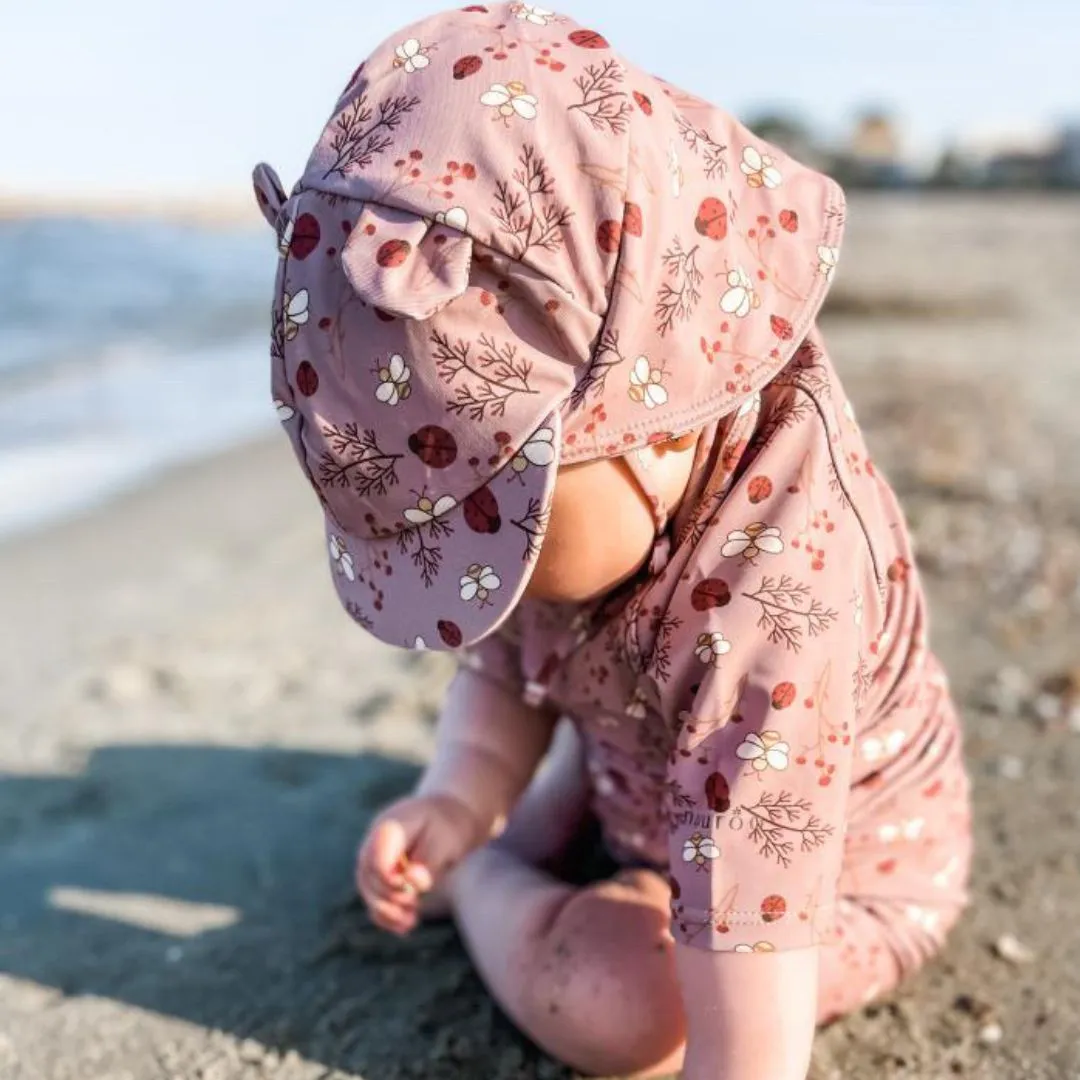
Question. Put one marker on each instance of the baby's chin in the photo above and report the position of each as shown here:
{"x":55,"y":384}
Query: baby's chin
{"x":580,"y":583}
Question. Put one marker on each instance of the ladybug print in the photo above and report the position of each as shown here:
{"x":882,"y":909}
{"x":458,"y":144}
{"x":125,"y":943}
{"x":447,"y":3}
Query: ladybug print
{"x":481,"y":511}
{"x":434,"y":446}
{"x":393,"y":253}
{"x":712,"y":218}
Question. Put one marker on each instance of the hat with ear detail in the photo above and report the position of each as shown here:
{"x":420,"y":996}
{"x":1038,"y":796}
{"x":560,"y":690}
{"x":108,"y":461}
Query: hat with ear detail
{"x":405,"y":265}
{"x":269,"y":194}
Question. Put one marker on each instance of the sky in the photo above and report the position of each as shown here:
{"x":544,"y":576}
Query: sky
{"x":99,"y":97}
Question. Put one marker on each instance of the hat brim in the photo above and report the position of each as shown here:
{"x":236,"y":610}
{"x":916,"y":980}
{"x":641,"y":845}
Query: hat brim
{"x":452,"y":579}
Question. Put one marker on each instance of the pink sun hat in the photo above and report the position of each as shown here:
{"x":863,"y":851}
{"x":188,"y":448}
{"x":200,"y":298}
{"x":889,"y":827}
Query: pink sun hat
{"x":512,"y":250}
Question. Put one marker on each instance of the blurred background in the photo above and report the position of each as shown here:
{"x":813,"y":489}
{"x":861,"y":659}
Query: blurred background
{"x":192,"y":734}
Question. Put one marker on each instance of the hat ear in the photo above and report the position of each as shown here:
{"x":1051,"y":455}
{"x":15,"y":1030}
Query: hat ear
{"x":269,"y":193}
{"x":407,"y":265}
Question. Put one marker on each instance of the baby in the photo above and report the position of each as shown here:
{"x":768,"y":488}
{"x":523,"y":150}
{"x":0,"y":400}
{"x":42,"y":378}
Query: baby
{"x":544,"y":343}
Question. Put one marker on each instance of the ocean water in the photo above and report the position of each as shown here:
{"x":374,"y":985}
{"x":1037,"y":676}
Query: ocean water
{"x":125,"y":347}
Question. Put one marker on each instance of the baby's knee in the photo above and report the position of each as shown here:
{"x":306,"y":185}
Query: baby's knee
{"x":603,"y":988}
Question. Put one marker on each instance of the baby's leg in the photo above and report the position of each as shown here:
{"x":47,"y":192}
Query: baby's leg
{"x":587,"y":973}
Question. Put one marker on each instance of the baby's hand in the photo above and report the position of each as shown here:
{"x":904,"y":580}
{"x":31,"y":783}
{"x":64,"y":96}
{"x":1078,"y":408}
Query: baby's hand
{"x":408,"y":848}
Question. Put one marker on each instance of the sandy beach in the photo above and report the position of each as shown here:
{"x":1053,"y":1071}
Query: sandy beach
{"x":193,"y":734}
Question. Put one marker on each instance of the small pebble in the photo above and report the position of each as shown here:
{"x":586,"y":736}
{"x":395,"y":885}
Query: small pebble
{"x":173,"y":954}
{"x":991,"y":1034}
{"x":1010,"y":767}
{"x":1047,"y":707}
{"x":1074,"y":720}
{"x":1014,"y":951}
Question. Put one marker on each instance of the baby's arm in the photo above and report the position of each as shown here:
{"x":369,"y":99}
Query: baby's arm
{"x":487,"y":746}
{"x":750,"y":1016}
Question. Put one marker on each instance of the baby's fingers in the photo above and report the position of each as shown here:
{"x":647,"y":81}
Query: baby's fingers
{"x":383,"y":853}
{"x":392,"y":916}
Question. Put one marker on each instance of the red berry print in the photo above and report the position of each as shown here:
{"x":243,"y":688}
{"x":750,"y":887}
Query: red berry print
{"x":710,"y":593}
{"x":773,"y":908}
{"x":476,"y":7}
{"x":589,"y":39}
{"x":712,"y":218}
{"x":305,"y":237}
{"x":783,"y":695}
{"x":467,"y":65}
{"x":450,"y":633}
{"x":644,"y":103}
{"x":393,"y":253}
{"x":886,"y":866}
{"x":781,"y":328}
{"x":307,"y":379}
{"x":759,"y":489}
{"x":481,"y":511}
{"x":434,"y":446}
{"x":608,"y":236}
{"x":789,"y":221}
{"x":717,"y":793}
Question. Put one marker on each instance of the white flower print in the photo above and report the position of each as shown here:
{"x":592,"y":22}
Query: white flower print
{"x":342,"y":559}
{"x":764,"y":751}
{"x":751,"y":404}
{"x":412,"y":56}
{"x":752,"y":541}
{"x":425,"y":510}
{"x":925,"y":918}
{"x":510,"y":99}
{"x":646,"y":385}
{"x":393,"y":381}
{"x":911,"y":829}
{"x":420,"y":645}
{"x":457,"y":217}
{"x":296,"y":313}
{"x":636,"y":706}
{"x":286,"y":237}
{"x":285,"y":412}
{"x":532,"y":13}
{"x":699,"y":849}
{"x":479,"y":582}
{"x":857,"y":608}
{"x":758,"y":947}
{"x":739,"y":299}
{"x":675,"y":169}
{"x":539,"y":450}
{"x":710,"y":647}
{"x":827,"y":260}
{"x":874,"y":748}
{"x":849,"y":410}
{"x":943,"y":878}
{"x":759,"y":169}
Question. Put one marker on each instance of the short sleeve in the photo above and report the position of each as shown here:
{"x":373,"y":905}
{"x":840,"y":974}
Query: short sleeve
{"x":497,"y":658}
{"x":770,"y":673}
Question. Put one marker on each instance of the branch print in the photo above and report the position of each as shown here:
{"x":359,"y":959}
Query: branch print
{"x":776,"y":821}
{"x":605,"y":356}
{"x":427,"y":556}
{"x":788,"y":611}
{"x":531,"y":216}
{"x":677,"y":300}
{"x":606,"y":106}
{"x":360,"y":136}
{"x":497,"y":372}
{"x":533,"y":525}
{"x":356,"y":461}
{"x":663,"y":627}
{"x":702,"y":144}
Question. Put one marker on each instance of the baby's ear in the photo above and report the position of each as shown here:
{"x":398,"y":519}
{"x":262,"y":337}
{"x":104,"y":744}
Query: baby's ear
{"x":269,"y":193}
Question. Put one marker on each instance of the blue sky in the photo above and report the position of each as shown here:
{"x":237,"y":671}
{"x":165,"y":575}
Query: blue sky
{"x":102,"y":96}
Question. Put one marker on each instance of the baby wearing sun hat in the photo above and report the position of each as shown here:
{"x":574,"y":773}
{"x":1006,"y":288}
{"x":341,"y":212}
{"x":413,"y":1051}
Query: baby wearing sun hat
{"x":544,"y":344}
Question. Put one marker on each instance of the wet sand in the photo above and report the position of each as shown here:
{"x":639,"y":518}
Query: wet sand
{"x":192,"y":734}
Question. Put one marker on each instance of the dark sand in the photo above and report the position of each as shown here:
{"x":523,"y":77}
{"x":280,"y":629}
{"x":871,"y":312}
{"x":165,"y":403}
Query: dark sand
{"x":192,"y":735}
